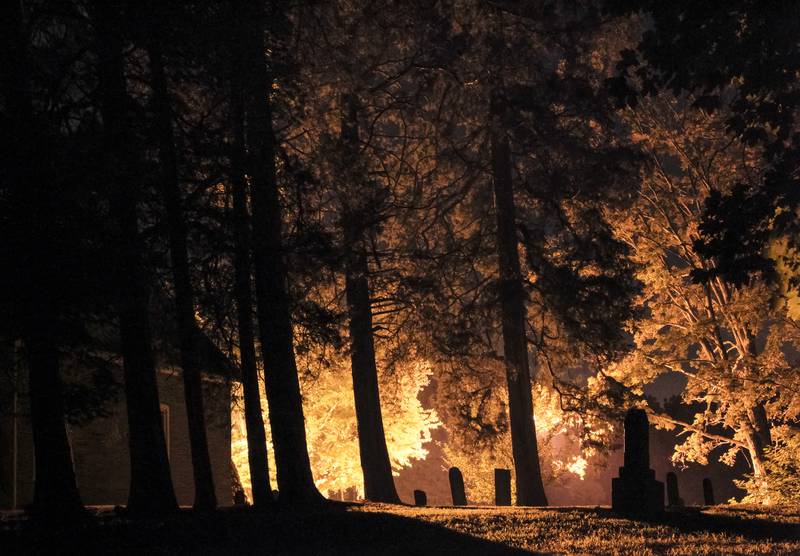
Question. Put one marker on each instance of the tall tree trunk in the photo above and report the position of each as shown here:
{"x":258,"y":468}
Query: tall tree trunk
{"x":295,"y":482}
{"x":151,"y":488}
{"x":253,"y":417}
{"x":55,"y":495}
{"x":375,"y":464}
{"x":529,"y":486}
{"x":205,"y":496}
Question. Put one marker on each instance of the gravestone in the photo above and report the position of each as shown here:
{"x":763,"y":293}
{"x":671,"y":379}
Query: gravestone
{"x":420,"y":498}
{"x":457,"y":487}
{"x":673,"y":495}
{"x":708,"y":492}
{"x":636,"y":491}
{"x":502,"y":487}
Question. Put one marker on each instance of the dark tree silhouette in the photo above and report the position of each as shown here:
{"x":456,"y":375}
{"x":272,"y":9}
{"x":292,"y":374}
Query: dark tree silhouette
{"x":151,"y":489}
{"x":375,"y":463}
{"x":205,"y":496}
{"x":254,"y":421}
{"x":295,"y":482}
{"x":56,"y":494}
{"x":530,"y":489}
{"x":532,"y":143}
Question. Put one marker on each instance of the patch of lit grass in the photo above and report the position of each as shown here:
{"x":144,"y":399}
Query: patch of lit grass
{"x":717,"y":530}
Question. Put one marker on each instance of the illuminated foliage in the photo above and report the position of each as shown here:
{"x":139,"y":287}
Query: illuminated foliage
{"x":731,"y":345}
{"x":331,"y":425}
{"x":477,"y":451}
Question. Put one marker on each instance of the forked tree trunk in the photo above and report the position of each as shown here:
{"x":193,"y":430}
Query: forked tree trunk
{"x":375,"y":464}
{"x":295,"y":482}
{"x":205,"y":498}
{"x":756,"y":454}
{"x":253,"y":417}
{"x":757,"y":459}
{"x":55,"y":495}
{"x":151,"y":488}
{"x":529,"y":486}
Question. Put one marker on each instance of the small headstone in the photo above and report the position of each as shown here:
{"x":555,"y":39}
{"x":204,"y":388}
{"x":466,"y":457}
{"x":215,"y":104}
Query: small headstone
{"x":350,"y":494}
{"x":457,"y":487}
{"x":673,"y":495}
{"x":636,"y":491}
{"x":420,"y":498}
{"x":502,"y":487}
{"x":708,"y":492}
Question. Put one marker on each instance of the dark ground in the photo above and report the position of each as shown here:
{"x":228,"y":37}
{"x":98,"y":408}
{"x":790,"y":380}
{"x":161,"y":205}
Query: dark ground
{"x":400,"y":530}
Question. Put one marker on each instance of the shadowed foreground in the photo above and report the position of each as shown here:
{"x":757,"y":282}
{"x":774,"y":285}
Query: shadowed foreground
{"x":377,"y":529}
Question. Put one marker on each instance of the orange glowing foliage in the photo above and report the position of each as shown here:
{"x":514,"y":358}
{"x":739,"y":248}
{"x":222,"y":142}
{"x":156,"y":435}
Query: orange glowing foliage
{"x":331,"y":425}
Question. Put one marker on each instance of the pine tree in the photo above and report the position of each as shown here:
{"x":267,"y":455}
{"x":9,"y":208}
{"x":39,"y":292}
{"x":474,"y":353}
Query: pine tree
{"x":295,"y":482}
{"x":205,"y":496}
{"x":151,"y":488}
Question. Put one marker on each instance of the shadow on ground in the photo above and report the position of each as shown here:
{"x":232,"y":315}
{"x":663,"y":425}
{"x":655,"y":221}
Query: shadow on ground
{"x":331,"y":531}
{"x":730,"y":521}
{"x":337,"y":529}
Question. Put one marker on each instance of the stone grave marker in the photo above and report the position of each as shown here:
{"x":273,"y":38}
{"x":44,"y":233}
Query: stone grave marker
{"x":502,"y":487}
{"x":457,"y":487}
{"x":636,"y":491}
{"x":708,"y":493}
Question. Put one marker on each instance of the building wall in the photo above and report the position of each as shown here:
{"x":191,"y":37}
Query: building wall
{"x":16,"y":441}
{"x":100,"y":448}
{"x":218,"y":427}
{"x":7,"y":399}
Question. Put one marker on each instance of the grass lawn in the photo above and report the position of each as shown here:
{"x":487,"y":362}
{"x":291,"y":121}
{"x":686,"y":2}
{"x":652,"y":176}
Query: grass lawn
{"x":401,"y":530}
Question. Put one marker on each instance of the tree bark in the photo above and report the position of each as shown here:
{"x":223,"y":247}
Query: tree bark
{"x":205,"y":495}
{"x":756,"y":451}
{"x":529,"y":486}
{"x":151,"y":488}
{"x":762,"y":425}
{"x":55,"y":495}
{"x":375,"y":464}
{"x":758,"y":438}
{"x":295,"y":481}
{"x":253,"y":417}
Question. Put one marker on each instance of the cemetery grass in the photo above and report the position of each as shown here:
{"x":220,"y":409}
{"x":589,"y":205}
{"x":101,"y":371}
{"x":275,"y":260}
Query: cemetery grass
{"x":403,"y":530}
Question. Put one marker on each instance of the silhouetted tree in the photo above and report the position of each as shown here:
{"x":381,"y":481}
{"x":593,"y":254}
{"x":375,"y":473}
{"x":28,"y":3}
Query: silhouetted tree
{"x":542,"y":135}
{"x":530,"y":489}
{"x":151,"y":488}
{"x":254,"y":422}
{"x":155,"y":37}
{"x":25,"y":192}
{"x":378,"y":481}
{"x":295,"y":482}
